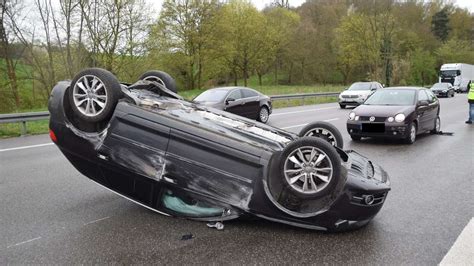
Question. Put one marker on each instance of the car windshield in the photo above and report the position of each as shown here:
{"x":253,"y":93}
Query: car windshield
{"x":449,"y":73}
{"x":211,"y":96}
{"x":392,"y":97}
{"x":359,"y":86}
{"x":440,"y":85}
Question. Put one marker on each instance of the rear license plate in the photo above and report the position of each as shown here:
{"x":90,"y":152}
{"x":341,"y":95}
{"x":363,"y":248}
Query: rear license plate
{"x":373,"y":127}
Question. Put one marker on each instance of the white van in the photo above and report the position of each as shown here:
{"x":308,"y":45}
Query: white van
{"x":457,"y":74}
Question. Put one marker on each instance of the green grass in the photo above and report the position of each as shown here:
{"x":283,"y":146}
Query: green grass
{"x":34,"y":127}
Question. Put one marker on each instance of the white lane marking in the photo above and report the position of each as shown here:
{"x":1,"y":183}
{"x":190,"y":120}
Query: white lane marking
{"x":26,"y":147}
{"x":24,"y":242}
{"x":462,"y":251}
{"x":304,"y":111}
{"x":302,"y":125}
{"x":98,"y":220}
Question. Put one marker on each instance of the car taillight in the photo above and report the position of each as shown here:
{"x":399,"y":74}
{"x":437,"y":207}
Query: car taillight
{"x":52,"y":136}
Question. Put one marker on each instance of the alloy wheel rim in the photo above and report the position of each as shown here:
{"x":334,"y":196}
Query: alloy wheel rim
{"x":322,"y":133}
{"x":308,"y":170}
{"x":90,"y":95}
{"x":413,"y":133}
{"x":264,"y":114}
{"x":155,"y":79}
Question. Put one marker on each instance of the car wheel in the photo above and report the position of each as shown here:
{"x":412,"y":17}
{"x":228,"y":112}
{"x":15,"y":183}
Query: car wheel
{"x":356,"y":138}
{"x":93,"y":94}
{"x":323,"y":130}
{"x":161,"y":77}
{"x":310,"y":167}
{"x":437,"y":126}
{"x":263,"y":115}
{"x":412,"y":130}
{"x":343,"y":106}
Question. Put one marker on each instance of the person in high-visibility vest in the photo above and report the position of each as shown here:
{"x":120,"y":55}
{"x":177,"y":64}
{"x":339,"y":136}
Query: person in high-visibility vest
{"x":470,"y":99}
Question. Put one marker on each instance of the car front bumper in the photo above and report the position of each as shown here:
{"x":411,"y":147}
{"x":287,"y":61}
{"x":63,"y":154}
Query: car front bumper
{"x":378,"y":129}
{"x":351,"y":101}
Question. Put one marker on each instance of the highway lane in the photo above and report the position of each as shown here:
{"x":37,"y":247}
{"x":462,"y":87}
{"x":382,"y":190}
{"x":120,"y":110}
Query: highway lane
{"x":52,"y":214}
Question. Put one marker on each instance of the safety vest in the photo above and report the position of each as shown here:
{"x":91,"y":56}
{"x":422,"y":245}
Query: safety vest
{"x":470,"y":96}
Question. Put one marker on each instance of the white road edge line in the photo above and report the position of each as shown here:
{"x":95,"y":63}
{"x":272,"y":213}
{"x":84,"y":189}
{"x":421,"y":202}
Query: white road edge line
{"x":26,"y":147}
{"x":303,"y":111}
{"x":462,"y":251}
{"x":24,"y":242}
{"x":98,"y":220}
{"x":302,"y":125}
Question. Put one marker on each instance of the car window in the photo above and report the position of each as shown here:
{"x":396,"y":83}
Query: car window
{"x":215,"y":95}
{"x":235,"y":94}
{"x":422,"y":96}
{"x":392,"y":97}
{"x":248,"y":93}
{"x":360,"y":86}
{"x":431,"y":96}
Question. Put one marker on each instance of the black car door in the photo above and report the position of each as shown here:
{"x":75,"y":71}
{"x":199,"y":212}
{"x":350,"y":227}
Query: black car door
{"x":234,"y":103}
{"x":251,"y":103}
{"x":433,"y":109}
{"x":423,"y":110}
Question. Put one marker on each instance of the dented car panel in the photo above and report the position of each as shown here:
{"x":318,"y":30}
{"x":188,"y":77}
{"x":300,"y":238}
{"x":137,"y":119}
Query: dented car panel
{"x":181,"y":159}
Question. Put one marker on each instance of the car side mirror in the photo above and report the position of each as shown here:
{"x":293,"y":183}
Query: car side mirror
{"x":373,"y":89}
{"x":229,"y":100}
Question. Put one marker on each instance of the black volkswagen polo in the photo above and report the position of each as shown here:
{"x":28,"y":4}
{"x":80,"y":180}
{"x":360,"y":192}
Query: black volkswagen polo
{"x":398,"y":112}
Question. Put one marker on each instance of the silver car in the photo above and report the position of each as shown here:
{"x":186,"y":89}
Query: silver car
{"x":357,"y":93}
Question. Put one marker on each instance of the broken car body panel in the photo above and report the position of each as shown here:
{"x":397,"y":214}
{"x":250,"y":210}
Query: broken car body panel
{"x":186,"y":160}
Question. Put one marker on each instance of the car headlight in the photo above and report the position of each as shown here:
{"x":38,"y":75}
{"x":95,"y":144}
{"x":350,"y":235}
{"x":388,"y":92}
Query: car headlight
{"x":400,"y":118}
{"x":445,"y":91}
{"x":352,"y":116}
{"x":390,"y":119}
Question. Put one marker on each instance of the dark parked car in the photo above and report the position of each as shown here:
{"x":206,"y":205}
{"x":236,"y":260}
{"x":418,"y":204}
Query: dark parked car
{"x":357,"y":93}
{"x":443,"y":89}
{"x":238,"y":100}
{"x":399,"y":112}
{"x":178,"y":158}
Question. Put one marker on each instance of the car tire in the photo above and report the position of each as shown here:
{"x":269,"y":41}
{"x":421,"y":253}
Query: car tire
{"x":343,"y":106}
{"x":325,"y":131}
{"x":263,"y":114}
{"x":412,"y":131}
{"x":161,"y":77}
{"x":437,"y":125}
{"x":309,"y":167}
{"x":356,"y":138}
{"x":93,"y":95}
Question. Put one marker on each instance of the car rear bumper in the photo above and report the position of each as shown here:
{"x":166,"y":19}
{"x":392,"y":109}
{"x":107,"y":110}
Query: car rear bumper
{"x":440,"y":93}
{"x":387,"y":130}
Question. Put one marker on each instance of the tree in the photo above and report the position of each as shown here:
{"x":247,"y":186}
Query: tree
{"x":184,"y":29}
{"x":246,"y":35}
{"x":422,"y":68}
{"x":440,"y":24}
{"x":7,"y":17}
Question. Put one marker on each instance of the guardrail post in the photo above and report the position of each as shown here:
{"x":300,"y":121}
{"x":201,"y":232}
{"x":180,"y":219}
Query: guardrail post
{"x":23,"y":128}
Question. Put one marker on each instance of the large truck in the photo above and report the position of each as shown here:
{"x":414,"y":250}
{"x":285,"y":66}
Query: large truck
{"x":458,"y":74}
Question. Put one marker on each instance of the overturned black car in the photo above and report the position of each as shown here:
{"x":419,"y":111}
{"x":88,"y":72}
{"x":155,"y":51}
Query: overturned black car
{"x":178,"y":158}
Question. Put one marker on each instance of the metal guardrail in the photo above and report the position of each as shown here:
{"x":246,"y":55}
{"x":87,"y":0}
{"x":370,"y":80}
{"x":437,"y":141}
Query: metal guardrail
{"x":34,"y":116}
{"x":23,"y":118}
{"x":303,"y":95}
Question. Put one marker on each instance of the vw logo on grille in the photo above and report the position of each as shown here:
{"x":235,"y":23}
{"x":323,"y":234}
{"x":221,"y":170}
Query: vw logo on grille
{"x":372,"y":119}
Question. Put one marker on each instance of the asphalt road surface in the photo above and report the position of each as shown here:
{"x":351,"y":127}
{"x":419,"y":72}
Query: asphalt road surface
{"x":50,"y":213}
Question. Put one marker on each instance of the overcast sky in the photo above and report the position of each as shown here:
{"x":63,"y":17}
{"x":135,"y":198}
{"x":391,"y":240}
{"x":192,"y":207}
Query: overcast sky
{"x":260,"y":4}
